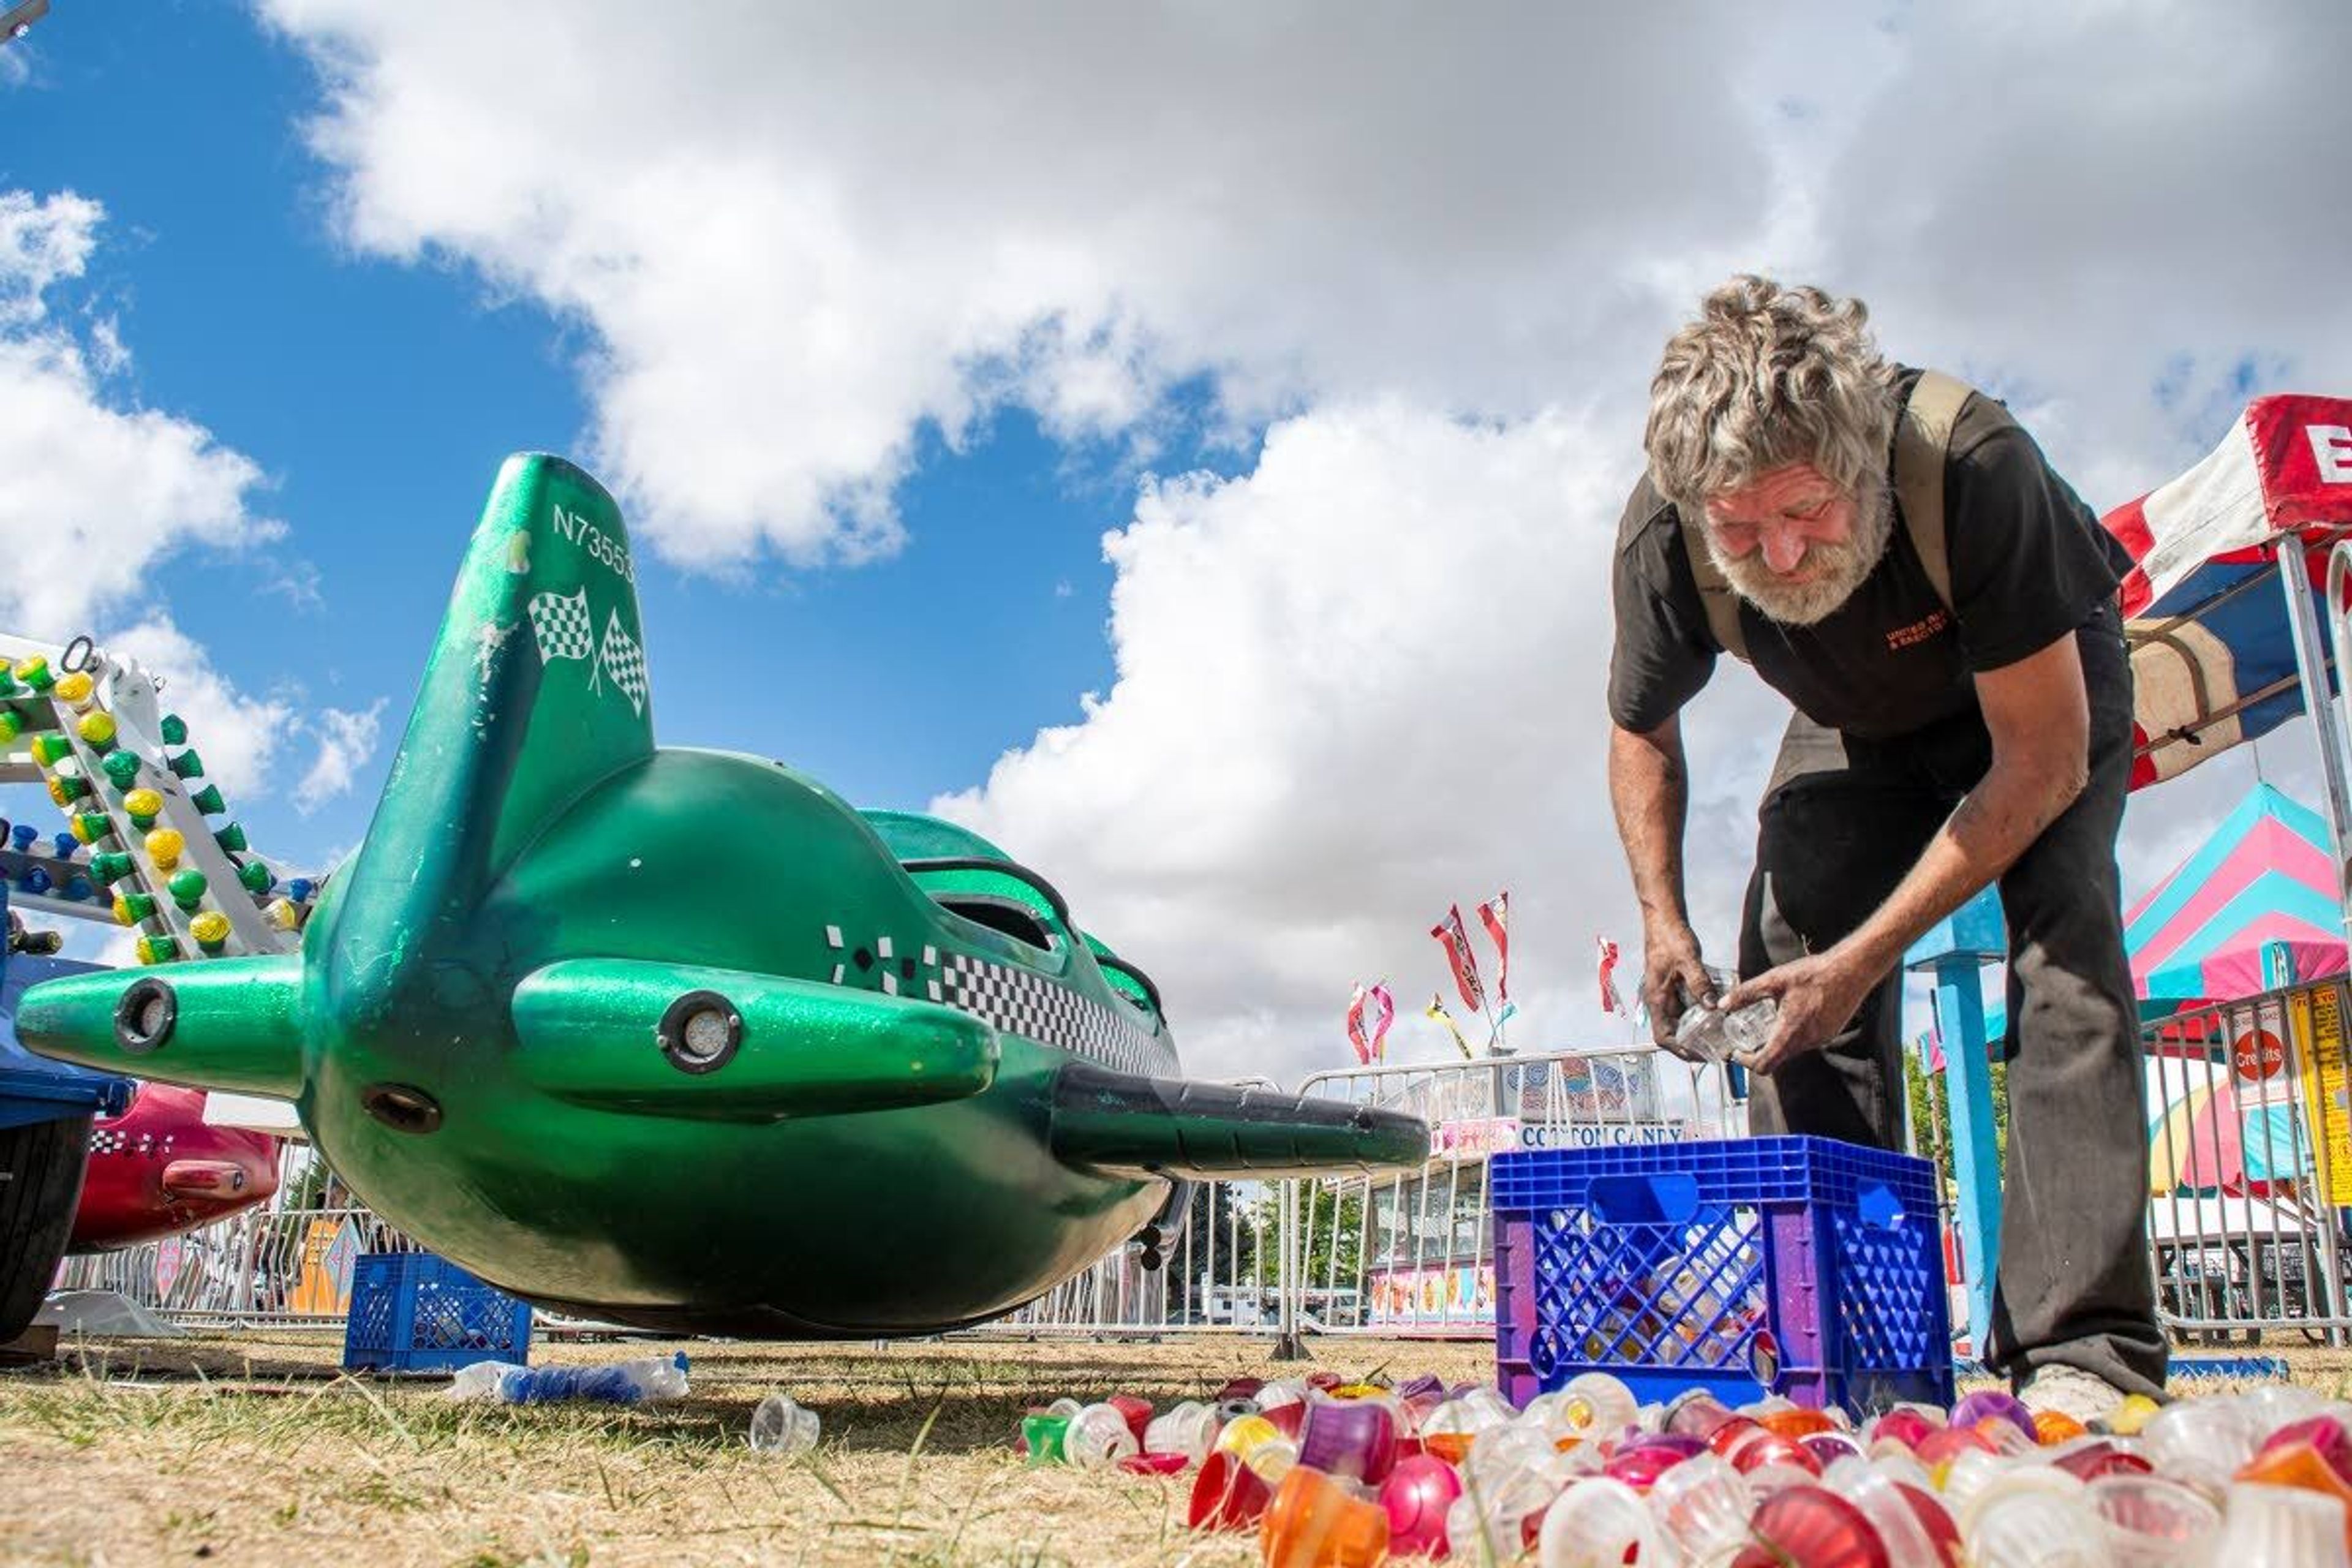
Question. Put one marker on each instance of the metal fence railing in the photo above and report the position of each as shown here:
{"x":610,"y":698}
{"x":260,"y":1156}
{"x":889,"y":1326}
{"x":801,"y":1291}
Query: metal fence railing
{"x":286,"y":1263}
{"x":1413,"y":1251}
{"x":2250,"y":1165}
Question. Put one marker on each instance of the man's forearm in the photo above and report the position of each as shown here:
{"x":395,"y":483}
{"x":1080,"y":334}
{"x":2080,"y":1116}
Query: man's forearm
{"x":1999,"y":821}
{"x":1649,"y":789}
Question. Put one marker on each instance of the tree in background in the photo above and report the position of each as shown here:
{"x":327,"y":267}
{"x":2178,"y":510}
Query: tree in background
{"x":1931,"y":1113}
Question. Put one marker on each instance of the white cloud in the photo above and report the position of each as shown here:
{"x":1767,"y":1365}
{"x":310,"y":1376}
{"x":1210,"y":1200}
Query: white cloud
{"x":97,"y":493}
{"x":798,"y":237}
{"x":1362,"y":682}
{"x":347,"y":741}
{"x":236,"y":733}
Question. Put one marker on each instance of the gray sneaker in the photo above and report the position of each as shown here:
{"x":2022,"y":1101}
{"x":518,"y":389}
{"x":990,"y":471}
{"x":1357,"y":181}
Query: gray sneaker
{"x":2070,"y":1391}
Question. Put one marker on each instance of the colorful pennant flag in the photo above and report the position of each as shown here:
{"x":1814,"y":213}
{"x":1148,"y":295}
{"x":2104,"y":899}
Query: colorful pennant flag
{"x":1355,"y":1027}
{"x":1436,"y":1009}
{"x":1383,"y":1014}
{"x":1456,"y":942}
{"x":1496,"y":913}
{"x":1610,"y":1002}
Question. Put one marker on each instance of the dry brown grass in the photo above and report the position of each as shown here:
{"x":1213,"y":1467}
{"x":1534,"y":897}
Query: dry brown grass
{"x":253,"y":1450}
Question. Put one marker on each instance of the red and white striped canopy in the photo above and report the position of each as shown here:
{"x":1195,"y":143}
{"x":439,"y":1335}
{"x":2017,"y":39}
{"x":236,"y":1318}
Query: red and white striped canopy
{"x":2212,"y":656}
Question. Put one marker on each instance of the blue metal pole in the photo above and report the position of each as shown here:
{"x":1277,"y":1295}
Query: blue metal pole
{"x":1975,"y":1157}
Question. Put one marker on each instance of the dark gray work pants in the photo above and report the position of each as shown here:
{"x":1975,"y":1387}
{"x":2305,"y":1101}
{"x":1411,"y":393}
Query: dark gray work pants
{"x":1842,"y":822}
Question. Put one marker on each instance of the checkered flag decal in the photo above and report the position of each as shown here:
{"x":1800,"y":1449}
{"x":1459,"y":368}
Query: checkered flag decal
{"x":1019,"y":1003}
{"x":560,"y":624}
{"x":624,"y":661}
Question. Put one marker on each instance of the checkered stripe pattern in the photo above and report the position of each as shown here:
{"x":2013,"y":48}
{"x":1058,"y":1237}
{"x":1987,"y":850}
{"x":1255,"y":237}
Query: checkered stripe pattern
{"x":559,"y":623}
{"x":1019,"y":1003}
{"x":624,"y":661}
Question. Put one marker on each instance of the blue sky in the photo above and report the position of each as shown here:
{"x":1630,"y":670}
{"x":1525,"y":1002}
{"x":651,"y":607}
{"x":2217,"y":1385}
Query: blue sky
{"x":1184,"y":448}
{"x":380,"y":398}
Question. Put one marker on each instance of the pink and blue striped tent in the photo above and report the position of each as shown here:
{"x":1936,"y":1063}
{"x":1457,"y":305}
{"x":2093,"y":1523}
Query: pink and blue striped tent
{"x":2199,"y":933}
{"x":2265,"y":876}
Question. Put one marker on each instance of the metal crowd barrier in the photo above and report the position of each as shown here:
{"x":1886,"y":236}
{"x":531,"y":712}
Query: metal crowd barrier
{"x":2250,"y":1166}
{"x":1405,"y":1253}
{"x":280,"y":1265}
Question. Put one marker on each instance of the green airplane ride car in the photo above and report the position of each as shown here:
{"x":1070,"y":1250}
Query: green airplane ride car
{"x":678,"y":1037}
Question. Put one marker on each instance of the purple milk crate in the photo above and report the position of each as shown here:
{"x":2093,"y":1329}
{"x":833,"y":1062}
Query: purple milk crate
{"x":1801,"y":1267}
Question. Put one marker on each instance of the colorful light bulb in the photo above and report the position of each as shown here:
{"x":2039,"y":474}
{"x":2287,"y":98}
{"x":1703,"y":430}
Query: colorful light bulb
{"x":144,"y":805}
{"x":208,"y":801}
{"x":281,"y":913}
{"x":97,"y":730}
{"x":258,"y":877}
{"x":49,"y":750}
{"x":187,"y":887}
{"x":165,"y":846}
{"x":112,"y":867}
{"x":187,"y":765}
{"x":35,"y":672}
{"x":34,"y":880}
{"x":130,"y":909}
{"x":66,"y":790}
{"x":210,"y":929}
{"x":8,"y":686}
{"x":174,"y":730}
{"x":11,"y":726}
{"x":93,"y":826}
{"x":79,"y":889}
{"x":157,"y":950}
{"x":232,"y":839}
{"x":74,"y":689}
{"x":122,"y":767}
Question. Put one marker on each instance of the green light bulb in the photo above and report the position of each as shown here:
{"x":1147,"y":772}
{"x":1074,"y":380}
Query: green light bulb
{"x":122,"y":767}
{"x":112,"y":867}
{"x":186,"y":887}
{"x":174,"y":730}
{"x":188,"y":766}
{"x":48,"y":750}
{"x":35,"y":673}
{"x":258,"y":877}
{"x":157,"y":950}
{"x":232,"y":839}
{"x":133,"y":908}
{"x":208,"y":801}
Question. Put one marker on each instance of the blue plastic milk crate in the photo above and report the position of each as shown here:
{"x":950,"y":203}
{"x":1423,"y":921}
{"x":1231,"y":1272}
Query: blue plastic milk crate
{"x":412,"y":1311}
{"x":1801,"y":1267}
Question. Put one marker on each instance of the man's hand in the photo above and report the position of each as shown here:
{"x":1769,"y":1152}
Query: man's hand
{"x":1818,"y":995}
{"x":1672,"y":978}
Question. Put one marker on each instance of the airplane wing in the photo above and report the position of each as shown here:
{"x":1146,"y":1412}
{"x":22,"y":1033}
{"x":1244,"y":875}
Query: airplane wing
{"x":1127,"y":1125}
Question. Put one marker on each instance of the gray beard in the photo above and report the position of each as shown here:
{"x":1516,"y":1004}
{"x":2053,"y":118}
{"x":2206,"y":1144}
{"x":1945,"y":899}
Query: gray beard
{"x":1839,"y":569}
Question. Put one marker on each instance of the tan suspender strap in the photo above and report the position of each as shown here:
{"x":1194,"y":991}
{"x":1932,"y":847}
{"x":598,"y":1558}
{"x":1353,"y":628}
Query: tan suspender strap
{"x":1922,"y":436}
{"x":1716,"y":594}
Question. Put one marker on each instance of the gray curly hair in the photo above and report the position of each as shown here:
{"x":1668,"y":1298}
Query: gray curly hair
{"x":1768,"y":375}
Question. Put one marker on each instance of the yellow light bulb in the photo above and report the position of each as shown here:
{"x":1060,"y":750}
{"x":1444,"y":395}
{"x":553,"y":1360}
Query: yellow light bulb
{"x":142,"y":803}
{"x":98,"y":729}
{"x":75,"y":690}
{"x":165,"y":846}
{"x":210,"y":929}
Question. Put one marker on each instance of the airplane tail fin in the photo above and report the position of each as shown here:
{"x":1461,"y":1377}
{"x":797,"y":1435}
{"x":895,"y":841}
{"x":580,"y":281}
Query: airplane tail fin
{"x":534,"y":690}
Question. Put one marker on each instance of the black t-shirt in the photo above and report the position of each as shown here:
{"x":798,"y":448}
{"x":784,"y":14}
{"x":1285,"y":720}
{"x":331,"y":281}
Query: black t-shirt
{"x":2029,"y":563}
